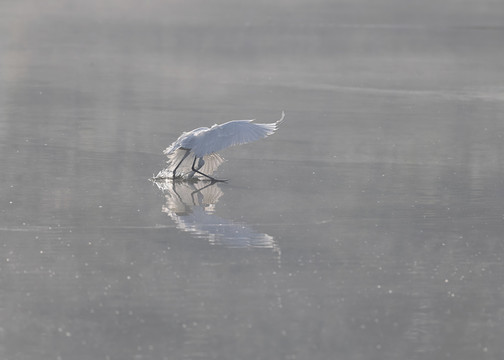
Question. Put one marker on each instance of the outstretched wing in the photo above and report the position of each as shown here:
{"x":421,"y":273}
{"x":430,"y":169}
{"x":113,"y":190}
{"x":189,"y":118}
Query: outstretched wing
{"x":234,"y":132}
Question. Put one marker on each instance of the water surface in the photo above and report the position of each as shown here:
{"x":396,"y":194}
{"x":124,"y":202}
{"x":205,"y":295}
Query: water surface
{"x":368,"y":227}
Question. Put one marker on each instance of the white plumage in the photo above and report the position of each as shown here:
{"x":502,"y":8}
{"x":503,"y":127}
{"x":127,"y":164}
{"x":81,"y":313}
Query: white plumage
{"x":196,"y":151}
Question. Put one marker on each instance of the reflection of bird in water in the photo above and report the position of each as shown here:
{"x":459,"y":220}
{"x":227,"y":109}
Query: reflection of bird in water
{"x":181,"y":197}
{"x":195,"y":152}
{"x":191,"y":206}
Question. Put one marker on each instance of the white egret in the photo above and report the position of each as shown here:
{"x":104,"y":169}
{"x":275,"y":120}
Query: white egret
{"x":196,"y":151}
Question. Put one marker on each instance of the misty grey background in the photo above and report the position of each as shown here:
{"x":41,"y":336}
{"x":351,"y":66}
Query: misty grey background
{"x":370,"y":226}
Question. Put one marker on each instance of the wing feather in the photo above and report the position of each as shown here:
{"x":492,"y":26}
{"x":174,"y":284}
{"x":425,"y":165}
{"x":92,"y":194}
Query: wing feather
{"x":235,"y":132}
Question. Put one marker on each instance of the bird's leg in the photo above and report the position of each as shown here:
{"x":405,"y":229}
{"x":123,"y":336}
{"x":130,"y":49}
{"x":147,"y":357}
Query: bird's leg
{"x":183,"y":158}
{"x":199,"y":172}
{"x":197,"y":192}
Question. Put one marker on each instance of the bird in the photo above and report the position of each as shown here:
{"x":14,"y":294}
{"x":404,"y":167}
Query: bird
{"x":195,"y":152}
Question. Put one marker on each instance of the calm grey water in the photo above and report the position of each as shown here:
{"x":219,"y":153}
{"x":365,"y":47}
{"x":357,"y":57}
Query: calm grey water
{"x":370,"y":226}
